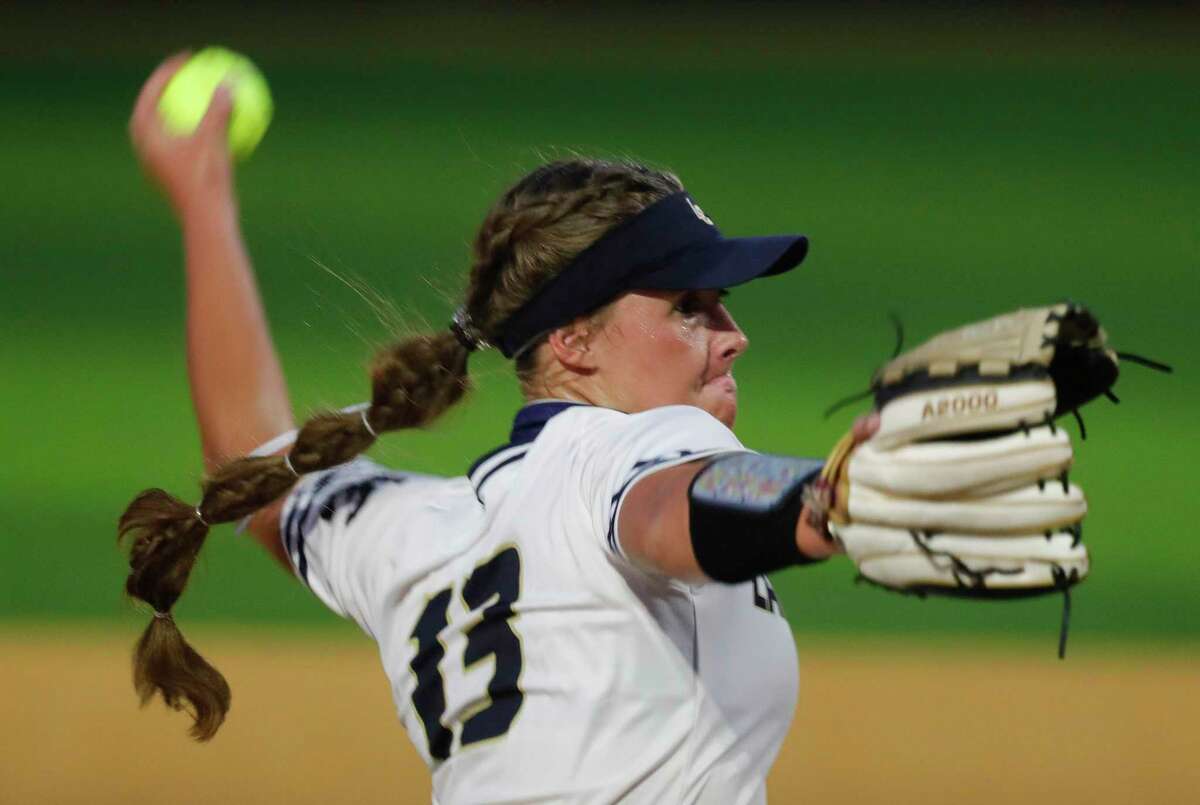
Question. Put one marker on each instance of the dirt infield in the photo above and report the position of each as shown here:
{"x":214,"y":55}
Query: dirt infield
{"x":877,"y":722}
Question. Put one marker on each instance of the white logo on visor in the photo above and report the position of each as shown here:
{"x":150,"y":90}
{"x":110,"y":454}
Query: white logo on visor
{"x":699,"y":212}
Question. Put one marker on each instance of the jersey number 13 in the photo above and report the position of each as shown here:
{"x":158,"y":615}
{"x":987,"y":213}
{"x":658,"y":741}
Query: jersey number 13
{"x":494,"y":586}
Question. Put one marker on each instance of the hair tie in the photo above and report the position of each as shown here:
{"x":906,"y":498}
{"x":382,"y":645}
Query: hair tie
{"x":162,"y":616}
{"x":466,"y":332}
{"x":287,"y":462}
{"x":200,"y":517}
{"x":363,"y":415}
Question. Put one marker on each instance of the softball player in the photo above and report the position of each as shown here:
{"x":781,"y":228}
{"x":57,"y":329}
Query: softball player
{"x":584,"y":616}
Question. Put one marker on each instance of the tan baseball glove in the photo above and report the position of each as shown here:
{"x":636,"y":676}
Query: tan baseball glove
{"x":964,"y":489}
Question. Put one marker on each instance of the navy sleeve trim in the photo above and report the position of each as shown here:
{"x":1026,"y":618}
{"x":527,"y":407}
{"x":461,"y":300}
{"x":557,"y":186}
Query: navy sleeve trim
{"x":493,"y":470}
{"x":641,"y":470}
{"x":326,"y":494}
{"x":493,"y":461}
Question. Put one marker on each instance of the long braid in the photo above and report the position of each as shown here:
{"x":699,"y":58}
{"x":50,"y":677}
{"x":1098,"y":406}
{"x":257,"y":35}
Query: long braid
{"x":532,"y":232}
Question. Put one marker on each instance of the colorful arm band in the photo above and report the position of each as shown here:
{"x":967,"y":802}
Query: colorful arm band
{"x":743,"y":509}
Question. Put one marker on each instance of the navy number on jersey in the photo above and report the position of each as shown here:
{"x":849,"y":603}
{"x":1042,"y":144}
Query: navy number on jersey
{"x":492,"y":589}
{"x":494,"y":586}
{"x":429,"y":697}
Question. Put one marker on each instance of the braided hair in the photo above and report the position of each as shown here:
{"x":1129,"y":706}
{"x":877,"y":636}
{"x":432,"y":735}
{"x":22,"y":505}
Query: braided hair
{"x":531,"y":233}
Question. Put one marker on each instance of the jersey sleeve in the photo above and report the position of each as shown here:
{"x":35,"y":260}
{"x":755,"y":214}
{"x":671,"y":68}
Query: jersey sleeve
{"x":628,"y":447}
{"x":336,"y":526}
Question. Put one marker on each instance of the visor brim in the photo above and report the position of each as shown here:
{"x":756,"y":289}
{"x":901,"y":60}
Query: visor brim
{"x":726,"y":262}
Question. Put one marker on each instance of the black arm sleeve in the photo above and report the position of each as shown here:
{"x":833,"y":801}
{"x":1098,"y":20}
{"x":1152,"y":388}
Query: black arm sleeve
{"x":743,"y":509}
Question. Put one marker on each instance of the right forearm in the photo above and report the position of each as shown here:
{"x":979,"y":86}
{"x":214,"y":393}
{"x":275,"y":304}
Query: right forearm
{"x":237,"y":382}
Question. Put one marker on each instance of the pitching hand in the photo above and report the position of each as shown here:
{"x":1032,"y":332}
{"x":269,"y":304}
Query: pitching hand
{"x":194,"y":171}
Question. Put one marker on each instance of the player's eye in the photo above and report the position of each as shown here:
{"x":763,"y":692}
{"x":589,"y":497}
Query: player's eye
{"x":696,"y":302}
{"x":689,"y":304}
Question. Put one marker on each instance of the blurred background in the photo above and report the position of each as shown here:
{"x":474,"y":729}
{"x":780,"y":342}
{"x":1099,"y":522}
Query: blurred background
{"x":947,"y":163}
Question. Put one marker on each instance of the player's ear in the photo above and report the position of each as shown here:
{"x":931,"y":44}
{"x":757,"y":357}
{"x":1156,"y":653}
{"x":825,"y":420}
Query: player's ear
{"x":573,"y":347}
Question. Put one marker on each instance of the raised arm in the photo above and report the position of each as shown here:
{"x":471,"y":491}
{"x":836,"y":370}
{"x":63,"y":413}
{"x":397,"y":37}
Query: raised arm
{"x":237,"y":384}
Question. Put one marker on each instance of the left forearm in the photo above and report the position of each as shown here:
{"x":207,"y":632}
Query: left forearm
{"x":655,"y":526}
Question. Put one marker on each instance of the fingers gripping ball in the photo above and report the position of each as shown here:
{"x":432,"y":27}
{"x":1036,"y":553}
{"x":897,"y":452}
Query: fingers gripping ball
{"x":186,"y":97}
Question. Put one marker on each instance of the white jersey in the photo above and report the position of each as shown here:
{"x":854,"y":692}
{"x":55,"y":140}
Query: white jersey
{"x":529,"y":659}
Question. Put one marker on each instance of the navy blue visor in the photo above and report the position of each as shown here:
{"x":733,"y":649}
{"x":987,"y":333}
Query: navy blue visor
{"x":669,"y":246}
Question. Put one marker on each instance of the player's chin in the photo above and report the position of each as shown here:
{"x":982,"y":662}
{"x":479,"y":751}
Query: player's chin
{"x":719,"y":398}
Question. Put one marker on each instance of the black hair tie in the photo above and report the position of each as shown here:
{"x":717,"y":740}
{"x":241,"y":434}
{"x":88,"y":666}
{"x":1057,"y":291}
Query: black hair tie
{"x":466,"y":332}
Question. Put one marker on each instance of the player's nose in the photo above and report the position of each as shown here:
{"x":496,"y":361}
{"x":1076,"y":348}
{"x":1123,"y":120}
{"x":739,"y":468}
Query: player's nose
{"x":731,"y":341}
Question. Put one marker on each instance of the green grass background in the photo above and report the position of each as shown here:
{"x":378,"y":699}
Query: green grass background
{"x":946,"y":166}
